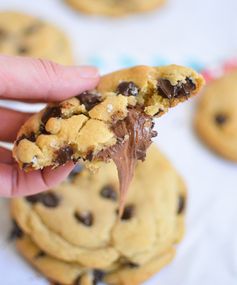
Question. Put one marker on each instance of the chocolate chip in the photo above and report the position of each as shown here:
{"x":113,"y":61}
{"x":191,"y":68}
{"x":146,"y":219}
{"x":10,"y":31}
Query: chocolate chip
{"x":189,"y":86}
{"x":154,"y":134}
{"x":26,"y":165}
{"x":30,"y":137}
{"x":128,"y":212}
{"x":16,"y":232}
{"x":3,"y":34}
{"x":98,"y":276}
{"x":64,"y":154}
{"x":32,"y":28}
{"x":33,"y":199}
{"x":42,"y":130}
{"x":75,"y":160}
{"x":220,"y":119}
{"x":89,"y":155}
{"x":181,"y":204}
{"x":108,"y":192}
{"x":51,"y":112}
{"x":85,"y":218}
{"x":127,"y":88}
{"x":22,"y":50}
{"x":167,"y":90}
{"x":77,"y":281}
{"x":50,"y":200}
{"x":89,"y":99}
{"x":40,"y":254}
{"x":159,"y":113}
{"x":131,"y":265}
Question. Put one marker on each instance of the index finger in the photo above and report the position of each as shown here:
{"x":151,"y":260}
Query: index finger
{"x":40,"y":80}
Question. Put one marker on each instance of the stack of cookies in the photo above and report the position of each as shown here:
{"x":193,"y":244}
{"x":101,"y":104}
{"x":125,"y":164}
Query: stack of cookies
{"x":72,"y":233}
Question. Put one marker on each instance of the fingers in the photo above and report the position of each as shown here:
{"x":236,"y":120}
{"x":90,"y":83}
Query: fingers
{"x":11,"y":123}
{"x":25,"y":78}
{"x":15,"y":182}
{"x":6,"y":156}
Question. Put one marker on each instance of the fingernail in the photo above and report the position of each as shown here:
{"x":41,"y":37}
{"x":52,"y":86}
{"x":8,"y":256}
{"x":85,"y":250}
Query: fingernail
{"x":88,"y":72}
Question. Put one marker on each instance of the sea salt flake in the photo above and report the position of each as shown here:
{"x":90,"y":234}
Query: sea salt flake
{"x":109,"y":108}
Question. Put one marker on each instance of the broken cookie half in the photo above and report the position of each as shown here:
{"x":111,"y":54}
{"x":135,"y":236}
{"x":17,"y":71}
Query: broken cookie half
{"x":115,"y":121}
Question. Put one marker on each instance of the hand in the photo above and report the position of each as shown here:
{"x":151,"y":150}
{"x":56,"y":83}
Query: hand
{"x":34,"y":80}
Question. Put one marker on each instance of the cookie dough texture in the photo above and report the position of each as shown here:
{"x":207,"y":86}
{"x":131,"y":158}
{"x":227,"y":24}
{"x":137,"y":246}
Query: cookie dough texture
{"x":25,"y":35}
{"x":216,"y":116}
{"x":82,"y":126}
{"x":77,"y":223}
{"x":115,"y":8}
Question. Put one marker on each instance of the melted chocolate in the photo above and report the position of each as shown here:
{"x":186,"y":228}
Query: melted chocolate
{"x":134,"y":135}
{"x":89,"y":99}
{"x":128,"y":88}
{"x":64,"y":155}
{"x":51,"y":112}
{"x":167,"y":90}
{"x":30,"y":137}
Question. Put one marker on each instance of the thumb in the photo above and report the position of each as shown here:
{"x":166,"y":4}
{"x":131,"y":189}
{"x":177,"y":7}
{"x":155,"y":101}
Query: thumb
{"x":24,"y":78}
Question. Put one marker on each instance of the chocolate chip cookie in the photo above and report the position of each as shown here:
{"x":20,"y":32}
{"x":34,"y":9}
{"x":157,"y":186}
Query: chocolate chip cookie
{"x":85,"y":126}
{"x":115,"y":8}
{"x":115,"y":121}
{"x":64,"y":273}
{"x":24,"y":35}
{"x":216,"y":116}
{"x":78,"y":221}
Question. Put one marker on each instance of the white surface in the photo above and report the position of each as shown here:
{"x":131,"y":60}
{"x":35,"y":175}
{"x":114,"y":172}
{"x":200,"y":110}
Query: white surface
{"x":186,"y":30}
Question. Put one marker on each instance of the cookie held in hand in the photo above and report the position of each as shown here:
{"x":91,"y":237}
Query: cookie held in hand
{"x":115,"y":121}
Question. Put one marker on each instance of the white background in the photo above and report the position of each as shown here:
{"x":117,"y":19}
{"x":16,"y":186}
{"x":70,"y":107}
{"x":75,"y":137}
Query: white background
{"x":185,"y":31}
